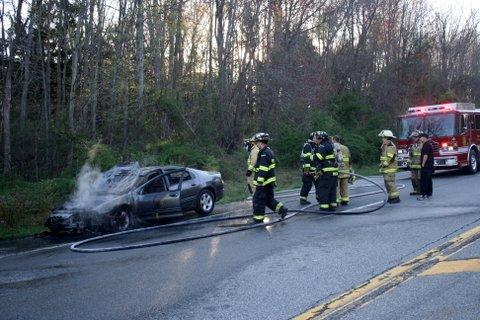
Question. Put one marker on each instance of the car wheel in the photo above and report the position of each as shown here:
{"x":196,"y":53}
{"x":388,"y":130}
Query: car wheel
{"x":472,"y":162}
{"x":122,"y":220}
{"x":205,"y":202}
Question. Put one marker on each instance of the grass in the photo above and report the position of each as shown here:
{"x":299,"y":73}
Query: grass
{"x":371,"y":170}
{"x":7,"y":233}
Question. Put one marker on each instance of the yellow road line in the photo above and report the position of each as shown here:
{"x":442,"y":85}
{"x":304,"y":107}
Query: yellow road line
{"x":389,"y":279}
{"x":453,"y":266}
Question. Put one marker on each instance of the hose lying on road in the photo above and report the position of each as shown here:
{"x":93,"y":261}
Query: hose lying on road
{"x":76,"y":246}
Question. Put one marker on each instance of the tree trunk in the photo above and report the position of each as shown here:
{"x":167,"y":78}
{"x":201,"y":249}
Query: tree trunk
{"x":73,"y":83}
{"x":26,"y":66}
{"x":98,"y":45}
{"x":140,"y":62}
{"x":7,"y":96}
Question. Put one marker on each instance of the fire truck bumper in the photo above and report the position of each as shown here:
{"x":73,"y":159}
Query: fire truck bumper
{"x":450,"y":162}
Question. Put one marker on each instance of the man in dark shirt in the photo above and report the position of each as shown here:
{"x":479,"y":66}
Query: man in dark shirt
{"x":426,"y":171}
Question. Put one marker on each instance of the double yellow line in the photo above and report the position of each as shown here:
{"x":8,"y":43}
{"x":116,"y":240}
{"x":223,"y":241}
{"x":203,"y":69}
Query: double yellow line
{"x":389,"y":279}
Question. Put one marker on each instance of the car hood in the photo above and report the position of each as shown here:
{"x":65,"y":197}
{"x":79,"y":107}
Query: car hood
{"x":98,"y":203}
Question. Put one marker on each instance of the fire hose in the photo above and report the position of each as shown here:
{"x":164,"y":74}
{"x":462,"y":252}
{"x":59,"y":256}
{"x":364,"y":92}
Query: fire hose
{"x":76,"y":247}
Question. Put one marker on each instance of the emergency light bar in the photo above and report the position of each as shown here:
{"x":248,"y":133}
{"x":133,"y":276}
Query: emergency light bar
{"x":441,"y":108}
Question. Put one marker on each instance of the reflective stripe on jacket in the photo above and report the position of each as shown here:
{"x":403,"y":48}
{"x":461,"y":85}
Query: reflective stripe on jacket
{"x":264,"y":168}
{"x":325,"y":158}
{"x":307,"y":157}
{"x":388,"y":163}
{"x":415,"y":160}
{"x":344,"y":167}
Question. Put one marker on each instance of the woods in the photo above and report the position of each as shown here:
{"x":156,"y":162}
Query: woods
{"x":134,"y":74}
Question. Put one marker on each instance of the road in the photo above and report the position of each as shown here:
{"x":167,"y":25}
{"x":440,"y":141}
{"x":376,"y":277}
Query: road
{"x":413,"y":260}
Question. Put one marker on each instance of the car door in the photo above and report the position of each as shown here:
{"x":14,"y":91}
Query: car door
{"x":189,"y":190}
{"x":156,"y":201}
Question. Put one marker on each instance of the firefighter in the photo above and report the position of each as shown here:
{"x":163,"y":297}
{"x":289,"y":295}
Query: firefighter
{"x":252,"y":149}
{"x":265,"y":180}
{"x":414,"y":161}
{"x":344,"y":171}
{"x":388,"y":165}
{"x":327,"y":172}
{"x":308,"y":167}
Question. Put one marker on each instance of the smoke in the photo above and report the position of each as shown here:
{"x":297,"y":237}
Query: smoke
{"x":94,"y":187}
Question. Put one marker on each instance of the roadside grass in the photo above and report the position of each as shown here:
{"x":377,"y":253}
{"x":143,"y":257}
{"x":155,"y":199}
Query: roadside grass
{"x":369,"y":170}
{"x":25,"y":206}
{"x":7,"y":233}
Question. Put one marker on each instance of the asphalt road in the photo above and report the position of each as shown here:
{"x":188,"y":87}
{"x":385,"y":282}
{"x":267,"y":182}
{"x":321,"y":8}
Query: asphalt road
{"x":275,"y":272}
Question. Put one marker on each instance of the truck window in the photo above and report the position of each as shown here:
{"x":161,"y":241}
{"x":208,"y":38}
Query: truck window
{"x":477,"y":121}
{"x":407,"y":125}
{"x":440,"y":125}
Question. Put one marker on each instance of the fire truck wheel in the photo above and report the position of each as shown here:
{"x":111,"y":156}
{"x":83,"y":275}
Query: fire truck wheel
{"x":472,"y":162}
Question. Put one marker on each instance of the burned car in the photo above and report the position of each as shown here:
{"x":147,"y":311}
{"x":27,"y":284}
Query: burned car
{"x":124,"y":196}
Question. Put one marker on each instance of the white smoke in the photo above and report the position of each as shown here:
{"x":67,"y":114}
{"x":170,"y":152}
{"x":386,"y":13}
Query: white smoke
{"x":94,"y":187}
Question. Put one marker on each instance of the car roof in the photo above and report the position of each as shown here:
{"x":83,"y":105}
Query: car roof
{"x":147,"y":170}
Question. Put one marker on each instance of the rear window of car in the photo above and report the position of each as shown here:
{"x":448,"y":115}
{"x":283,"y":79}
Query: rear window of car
{"x":174,"y":177}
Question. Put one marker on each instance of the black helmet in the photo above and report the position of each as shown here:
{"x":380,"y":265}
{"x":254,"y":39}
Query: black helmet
{"x":262,"y":136}
{"x":321,"y":134}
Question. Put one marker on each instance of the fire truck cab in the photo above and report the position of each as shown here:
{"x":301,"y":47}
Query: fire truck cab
{"x":454,"y":129}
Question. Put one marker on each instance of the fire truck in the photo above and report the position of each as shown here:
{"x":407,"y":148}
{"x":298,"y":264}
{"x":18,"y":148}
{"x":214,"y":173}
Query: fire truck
{"x":454,"y":129}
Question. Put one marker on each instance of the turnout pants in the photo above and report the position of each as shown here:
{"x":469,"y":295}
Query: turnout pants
{"x":415,"y":176}
{"x":327,"y":191}
{"x":426,"y":183}
{"x":307,"y":181}
{"x":342,"y":194}
{"x":389,"y":179}
{"x":263,"y":197}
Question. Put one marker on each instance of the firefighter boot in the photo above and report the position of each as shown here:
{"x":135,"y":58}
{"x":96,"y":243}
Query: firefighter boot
{"x":282,"y":212}
{"x":394,"y":200}
{"x":304,"y":202}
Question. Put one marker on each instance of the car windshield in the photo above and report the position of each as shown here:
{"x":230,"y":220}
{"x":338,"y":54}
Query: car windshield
{"x":437,"y":125}
{"x":118,"y":180}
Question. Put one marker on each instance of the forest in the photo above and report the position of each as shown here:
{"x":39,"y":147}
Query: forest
{"x":185,"y":81}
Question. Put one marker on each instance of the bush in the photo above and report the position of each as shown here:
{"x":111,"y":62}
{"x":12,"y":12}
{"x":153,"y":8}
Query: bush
{"x":287,"y":142}
{"x":169,"y":152}
{"x":28,"y":204}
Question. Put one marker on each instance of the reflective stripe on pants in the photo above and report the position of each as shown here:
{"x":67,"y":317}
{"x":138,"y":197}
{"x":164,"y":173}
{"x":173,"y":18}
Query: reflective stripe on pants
{"x":390,"y":185}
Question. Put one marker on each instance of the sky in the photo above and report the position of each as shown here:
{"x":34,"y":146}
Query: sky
{"x":455,"y":5}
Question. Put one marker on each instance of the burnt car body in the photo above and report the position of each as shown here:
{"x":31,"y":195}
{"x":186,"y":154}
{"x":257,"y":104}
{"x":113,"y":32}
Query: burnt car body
{"x":156,"y":193}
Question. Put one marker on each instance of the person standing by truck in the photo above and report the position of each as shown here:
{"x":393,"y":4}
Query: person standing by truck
{"x":426,"y":171}
{"x":414,"y":161}
{"x":388,"y":165}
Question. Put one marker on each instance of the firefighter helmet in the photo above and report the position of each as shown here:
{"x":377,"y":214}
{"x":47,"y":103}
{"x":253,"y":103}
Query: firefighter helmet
{"x":262,"y":136}
{"x":322,"y":134}
{"x":386,"y":134}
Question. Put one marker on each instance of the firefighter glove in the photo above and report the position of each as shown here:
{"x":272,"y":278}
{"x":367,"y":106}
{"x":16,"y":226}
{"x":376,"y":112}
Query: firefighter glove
{"x":249,"y":173}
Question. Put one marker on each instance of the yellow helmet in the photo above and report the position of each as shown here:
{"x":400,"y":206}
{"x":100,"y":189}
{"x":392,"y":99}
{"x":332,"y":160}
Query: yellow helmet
{"x":386,"y":134}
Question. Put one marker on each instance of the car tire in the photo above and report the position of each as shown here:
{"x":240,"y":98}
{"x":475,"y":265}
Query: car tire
{"x":472,"y":167}
{"x":205,"y":202}
{"x":122,"y":220}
